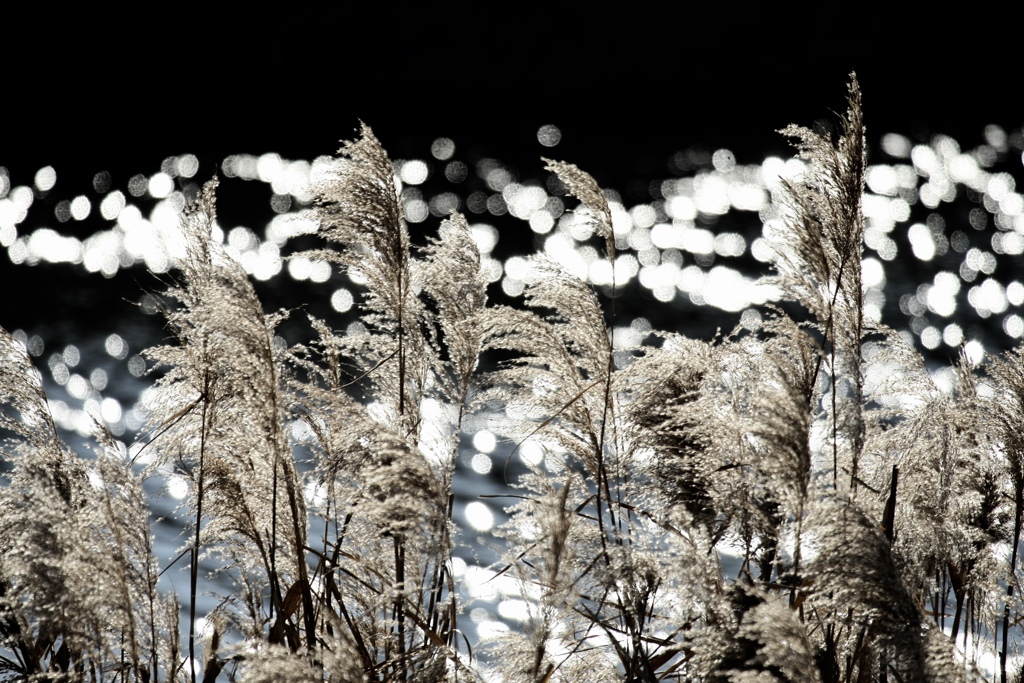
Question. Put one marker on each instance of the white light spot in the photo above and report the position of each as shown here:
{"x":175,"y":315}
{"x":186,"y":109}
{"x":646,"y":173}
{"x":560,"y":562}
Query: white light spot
{"x":941,"y":300}
{"x":320,"y":271}
{"x":177,"y":486}
{"x":442,"y":149}
{"x":514,"y":610}
{"x":896,"y":145}
{"x":98,"y":379}
{"x":46,"y":178}
{"x":975,"y":352}
{"x":116,"y":346}
{"x":242,"y":239}
{"x":95,"y":479}
{"x":204,"y":627}
{"x":921,"y":241}
{"x":77,"y":386}
{"x":988,"y":296}
{"x":730,"y":244}
{"x":49,"y":245}
{"x":161,"y":185}
{"x":269,"y":166}
{"x":72,"y":356}
{"x":1015,"y":293}
{"x":112,"y":205}
{"x":479,"y":583}
{"x":723,"y":160}
{"x":137,"y":366}
{"x":341,"y":300}
{"x":643,"y":215}
{"x":299,"y":267}
{"x":479,"y":516}
{"x":416,"y":210}
{"x":771,"y":171}
{"x":681,"y":207}
{"x":899,"y":210}
{"x":481,"y":463}
{"x":882,"y":180}
{"x":524,"y":200}
{"x":762,"y":250}
{"x":267,"y":261}
{"x":1012,"y":204}
{"x":711,"y":194}
{"x":485,"y":236}
{"x":1013,"y":325}
{"x":188,"y":164}
{"x":751,"y":319}
{"x":110,"y":410}
{"x":80,"y":207}
{"x":414,"y":172}
{"x":953,"y":335}
{"x":8,"y":233}
{"x":484,"y":441}
{"x":549,"y":135}
{"x":730,"y":290}
{"x":541,"y":222}
{"x":490,"y":630}
{"x":872,"y":272}
{"x":532,"y":453}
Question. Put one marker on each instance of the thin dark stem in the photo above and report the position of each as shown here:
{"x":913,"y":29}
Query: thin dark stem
{"x":1012,"y":579}
{"x":399,"y":608}
{"x":307,"y":597}
{"x":602,"y":472}
{"x":275,"y":588}
{"x":194,"y":570}
{"x":154,"y":657}
{"x":400,"y":259}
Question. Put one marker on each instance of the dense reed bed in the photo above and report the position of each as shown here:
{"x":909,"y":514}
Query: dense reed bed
{"x":792,"y":501}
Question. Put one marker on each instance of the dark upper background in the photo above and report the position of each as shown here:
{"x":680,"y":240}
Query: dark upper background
{"x":105,"y":89}
{"x":102,"y":89}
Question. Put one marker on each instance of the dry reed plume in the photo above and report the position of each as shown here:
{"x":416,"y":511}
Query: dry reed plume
{"x":875,"y":520}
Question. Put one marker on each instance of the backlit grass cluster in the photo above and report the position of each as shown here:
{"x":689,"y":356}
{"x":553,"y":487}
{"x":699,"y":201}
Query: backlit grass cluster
{"x":793,"y":501}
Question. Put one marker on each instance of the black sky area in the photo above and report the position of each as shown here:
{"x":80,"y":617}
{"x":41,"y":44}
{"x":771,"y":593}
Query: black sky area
{"x":101,"y":89}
